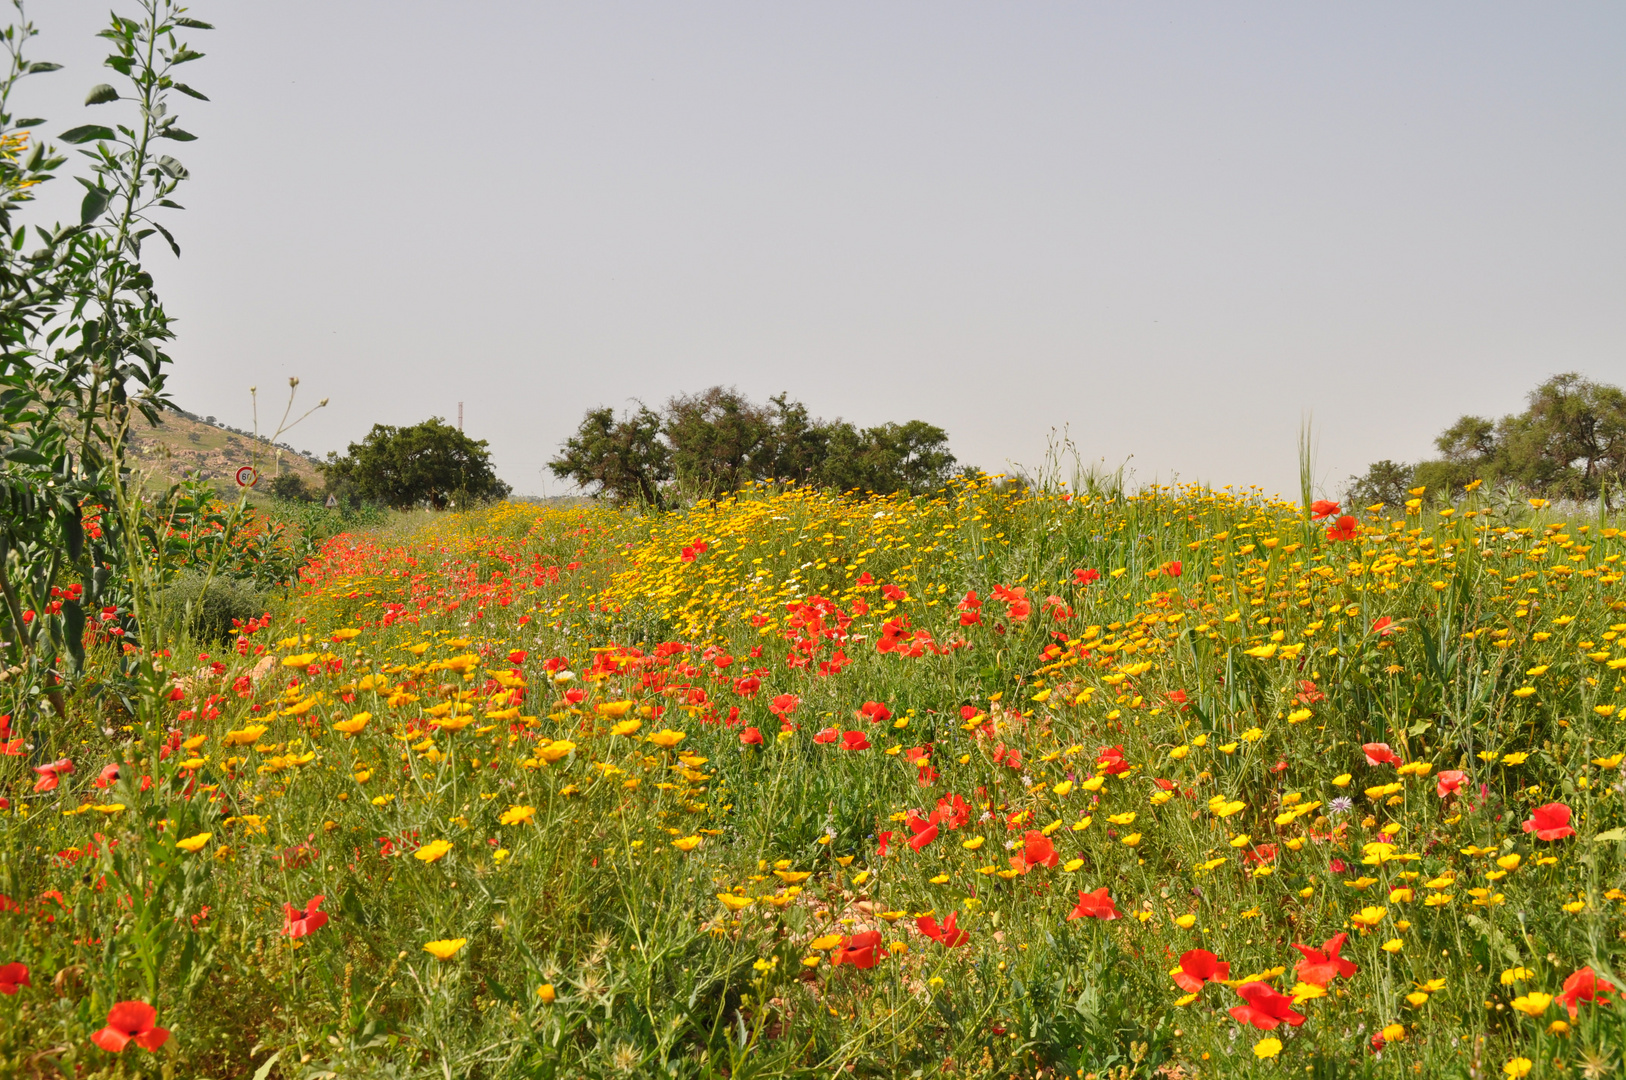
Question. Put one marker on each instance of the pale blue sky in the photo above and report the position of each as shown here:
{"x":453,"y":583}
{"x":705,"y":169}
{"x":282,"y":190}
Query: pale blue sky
{"x":1174,"y":227}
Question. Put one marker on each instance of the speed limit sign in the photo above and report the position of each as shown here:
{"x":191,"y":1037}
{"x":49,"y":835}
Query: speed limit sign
{"x":247,"y":476}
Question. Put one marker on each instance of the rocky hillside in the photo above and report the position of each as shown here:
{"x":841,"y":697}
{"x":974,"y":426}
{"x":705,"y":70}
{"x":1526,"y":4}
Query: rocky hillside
{"x":185,"y":446}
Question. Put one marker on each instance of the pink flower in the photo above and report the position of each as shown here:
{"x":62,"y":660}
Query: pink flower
{"x":1450,"y":781}
{"x":1378,"y":753}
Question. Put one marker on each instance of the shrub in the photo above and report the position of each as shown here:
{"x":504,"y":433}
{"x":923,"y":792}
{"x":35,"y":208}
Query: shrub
{"x":207,"y":611}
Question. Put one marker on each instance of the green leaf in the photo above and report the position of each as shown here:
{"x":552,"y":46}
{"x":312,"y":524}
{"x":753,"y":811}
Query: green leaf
{"x":94,"y":203}
{"x":186,"y":53}
{"x":265,"y":1069}
{"x":40,"y":67}
{"x":173,"y":246}
{"x":73,"y":616}
{"x":1612,"y":834}
{"x":101,"y":94}
{"x":29,"y":121}
{"x":189,"y":92}
{"x":195,"y":24}
{"x":171,"y":167}
{"x":26,"y":456}
{"x":1494,"y":938}
{"x":177,"y":134}
{"x":87,"y":133}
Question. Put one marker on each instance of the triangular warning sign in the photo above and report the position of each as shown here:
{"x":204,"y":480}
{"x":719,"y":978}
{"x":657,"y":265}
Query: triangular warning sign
{"x":332,"y":502}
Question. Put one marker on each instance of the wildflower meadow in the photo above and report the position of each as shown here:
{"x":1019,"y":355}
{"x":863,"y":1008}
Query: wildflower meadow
{"x":1003,"y":782}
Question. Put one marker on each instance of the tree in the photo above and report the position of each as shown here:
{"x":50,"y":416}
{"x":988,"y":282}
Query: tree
{"x":911,"y":457}
{"x":717,"y":441}
{"x":429,"y":464}
{"x":291,"y":487}
{"x":1570,"y":443}
{"x":1385,"y":482}
{"x":622,"y":460}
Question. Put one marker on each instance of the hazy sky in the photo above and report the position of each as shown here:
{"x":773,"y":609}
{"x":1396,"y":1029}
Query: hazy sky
{"x":1172,"y":228}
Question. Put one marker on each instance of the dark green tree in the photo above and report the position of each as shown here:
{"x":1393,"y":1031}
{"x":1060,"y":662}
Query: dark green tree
{"x":718,"y":441}
{"x":625,"y":460}
{"x":1569,"y":443}
{"x":912,"y":457}
{"x":1384,"y":482}
{"x":291,"y":487}
{"x":429,"y":464}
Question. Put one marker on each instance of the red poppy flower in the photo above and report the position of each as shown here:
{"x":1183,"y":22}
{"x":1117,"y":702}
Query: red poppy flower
{"x":1345,"y":528}
{"x":1266,"y":1008}
{"x":1378,"y":753}
{"x":784,"y":704}
{"x":1199,"y":966}
{"x":860,"y":950}
{"x":751,"y":737}
{"x":517,"y":656}
{"x":130,"y":1021}
{"x":1308,"y":693}
{"x":875,"y":712}
{"x":1095,"y":905}
{"x":298,"y":923}
{"x":51,"y":775}
{"x":1584,"y":985}
{"x":865,"y":579}
{"x":948,"y":935}
{"x":884,"y":839}
{"x":924,"y":830}
{"x":828,"y":735}
{"x":1550,"y":822}
{"x":1264,"y":853}
{"x":1178,"y":697}
{"x":854,"y":740}
{"x":1084,"y":577}
{"x":109,"y":776}
{"x":892,"y":592}
{"x":1173,"y":569}
{"x":14,"y":975}
{"x":1323,"y":508}
{"x":1384,"y":626}
{"x":1037,"y":850}
{"x":1111,"y":761}
{"x":952,"y":811}
{"x":1450,"y":781}
{"x":747,"y":686}
{"x":1321,"y":966}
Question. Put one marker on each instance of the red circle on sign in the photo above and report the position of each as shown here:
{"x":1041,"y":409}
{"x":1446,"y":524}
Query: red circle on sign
{"x":247,"y":476}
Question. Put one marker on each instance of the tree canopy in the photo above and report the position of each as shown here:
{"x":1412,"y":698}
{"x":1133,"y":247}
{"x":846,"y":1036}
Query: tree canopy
{"x":718,"y":440}
{"x":430,"y":464}
{"x":1569,"y":443}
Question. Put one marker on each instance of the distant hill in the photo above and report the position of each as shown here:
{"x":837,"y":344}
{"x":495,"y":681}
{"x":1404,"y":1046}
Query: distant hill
{"x":186,"y":445}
